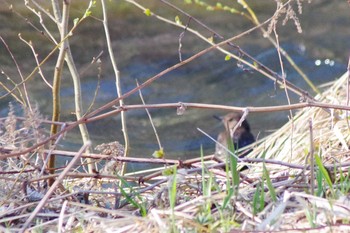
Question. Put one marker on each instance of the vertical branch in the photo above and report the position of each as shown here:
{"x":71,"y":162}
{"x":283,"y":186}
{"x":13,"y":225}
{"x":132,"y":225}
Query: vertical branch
{"x":78,"y":104}
{"x":278,"y":48}
{"x":56,"y":10}
{"x":63,"y":28}
{"x":312,"y":163}
{"x":62,"y":24}
{"x":348,"y":93}
{"x":117,"y":78}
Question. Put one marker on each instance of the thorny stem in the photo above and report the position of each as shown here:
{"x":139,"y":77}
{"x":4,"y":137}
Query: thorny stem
{"x":163,"y":161}
{"x":188,"y":105}
{"x":221,"y":107}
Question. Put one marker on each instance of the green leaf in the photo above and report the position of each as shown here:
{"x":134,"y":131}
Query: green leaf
{"x":210,"y":8}
{"x":233,"y":163}
{"x":324,"y":172}
{"x":256,"y":200}
{"x":234,"y":11}
{"x":129,"y":196}
{"x":228,"y":57}
{"x":147,"y":12}
{"x":259,"y":198}
{"x":172,"y":190}
{"x":177,"y":20}
{"x":75,"y":21}
{"x":319,"y":183}
{"x":227,"y":198}
{"x":158,"y":154}
{"x":168,"y":171}
{"x":87,"y":13}
{"x":218,"y":5}
{"x":262,"y":197}
{"x":88,"y":10}
{"x":269,"y":183}
{"x":204,"y":183}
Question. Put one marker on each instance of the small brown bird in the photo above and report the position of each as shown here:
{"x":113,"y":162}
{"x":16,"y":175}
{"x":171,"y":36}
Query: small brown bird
{"x":241,"y":136}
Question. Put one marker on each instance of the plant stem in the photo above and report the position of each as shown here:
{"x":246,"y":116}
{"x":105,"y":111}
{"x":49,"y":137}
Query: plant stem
{"x":78,"y":104}
{"x":62,"y":23}
{"x":117,"y":79}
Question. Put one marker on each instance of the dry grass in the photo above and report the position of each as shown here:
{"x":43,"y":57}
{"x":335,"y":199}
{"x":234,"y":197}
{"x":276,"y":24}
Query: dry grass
{"x":330,"y":130}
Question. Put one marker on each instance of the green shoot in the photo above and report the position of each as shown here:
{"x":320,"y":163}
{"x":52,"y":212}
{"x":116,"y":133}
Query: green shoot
{"x":232,"y":162}
{"x":324,"y":173}
{"x":319,"y":183}
{"x":129,"y":196}
{"x":172,"y":199}
{"x":259,"y":198}
{"x":147,"y":12}
{"x":311,"y":216}
{"x":344,"y":182}
{"x":269,"y":183}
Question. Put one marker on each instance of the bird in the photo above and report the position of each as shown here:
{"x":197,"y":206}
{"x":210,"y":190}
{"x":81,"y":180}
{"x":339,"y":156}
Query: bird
{"x":241,"y":136}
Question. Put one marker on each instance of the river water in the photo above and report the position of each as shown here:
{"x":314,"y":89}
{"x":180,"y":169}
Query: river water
{"x":144,"y":46}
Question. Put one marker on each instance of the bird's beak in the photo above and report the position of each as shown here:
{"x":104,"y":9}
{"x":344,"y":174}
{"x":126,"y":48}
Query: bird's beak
{"x":217,"y":117}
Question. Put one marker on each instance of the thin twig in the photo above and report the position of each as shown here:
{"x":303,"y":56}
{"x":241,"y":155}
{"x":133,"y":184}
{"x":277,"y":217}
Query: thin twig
{"x":255,"y":65}
{"x":150,"y":118}
{"x":98,"y":61}
{"x":176,"y":105}
{"x":117,"y":81}
{"x":48,"y":155}
{"x":348,"y":94}
{"x":222,"y":107}
{"x":57,"y":46}
{"x":41,"y":20}
{"x":26,"y":101}
{"x":20,"y":100}
{"x":312,"y":163}
{"x":35,"y":55}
